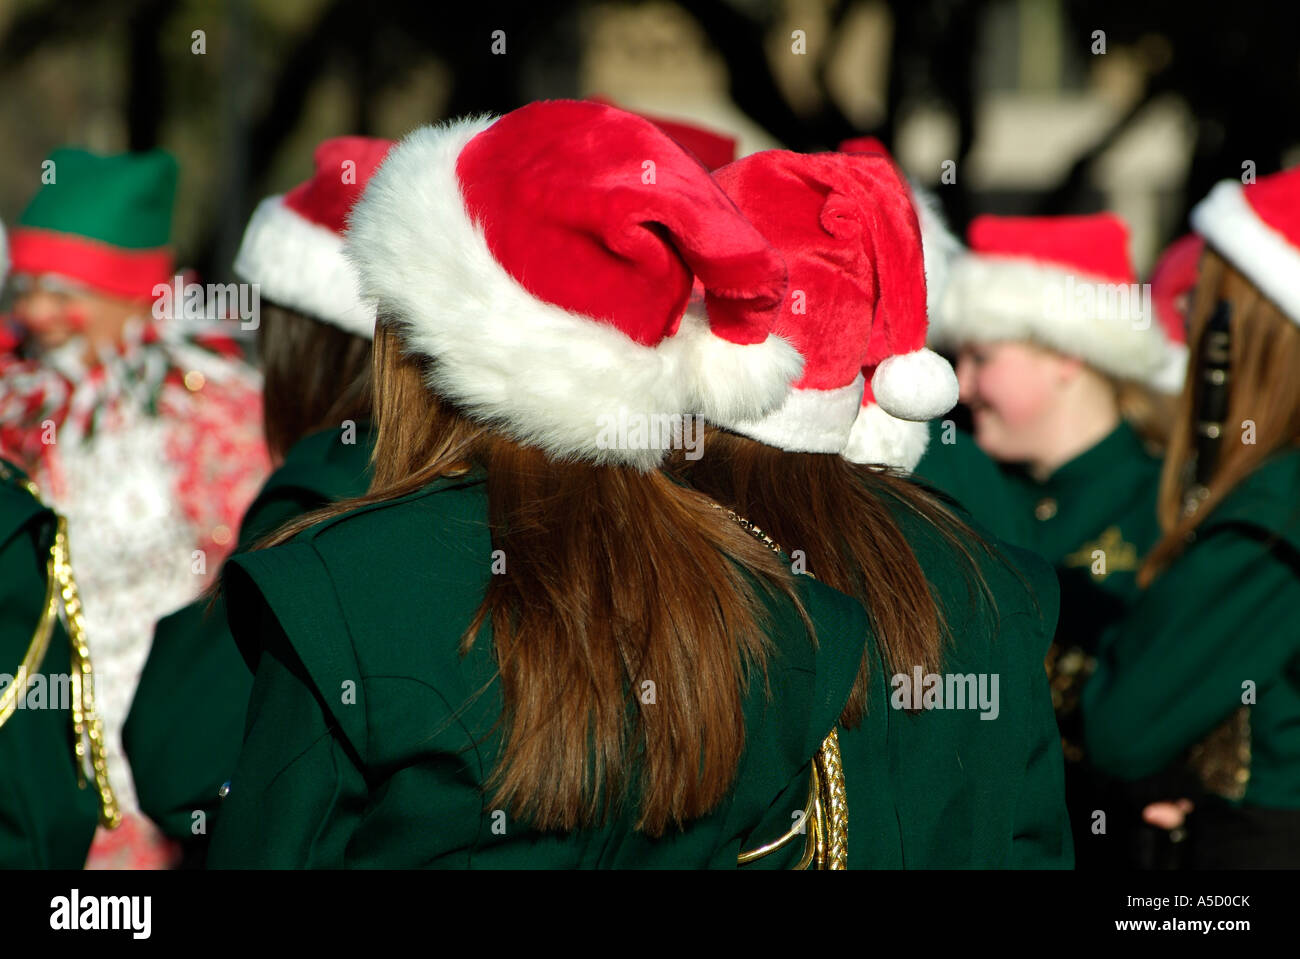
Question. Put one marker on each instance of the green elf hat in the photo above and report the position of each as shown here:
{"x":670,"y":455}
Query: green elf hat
{"x":104,"y":221}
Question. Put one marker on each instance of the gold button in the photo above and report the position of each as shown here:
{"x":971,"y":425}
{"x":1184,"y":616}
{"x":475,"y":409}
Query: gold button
{"x":221,"y":534}
{"x":194,"y":381}
{"x":1046,"y":508}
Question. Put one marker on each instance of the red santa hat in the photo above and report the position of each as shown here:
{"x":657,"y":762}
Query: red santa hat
{"x":1173,"y":280}
{"x":848,"y":233}
{"x":293,"y":245}
{"x":878,"y":437}
{"x":939,"y":244}
{"x":544,"y":260}
{"x":710,"y":147}
{"x":1066,"y":282}
{"x":1256,"y":228}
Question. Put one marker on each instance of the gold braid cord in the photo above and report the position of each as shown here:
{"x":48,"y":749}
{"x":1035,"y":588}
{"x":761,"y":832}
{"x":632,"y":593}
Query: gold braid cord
{"x":827,"y":845}
{"x":61,"y":592}
{"x":85,"y":719}
{"x":35,"y":654}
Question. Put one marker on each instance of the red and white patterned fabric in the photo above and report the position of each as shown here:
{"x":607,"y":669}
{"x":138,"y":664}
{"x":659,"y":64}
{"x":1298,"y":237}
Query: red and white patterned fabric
{"x":152,"y":453}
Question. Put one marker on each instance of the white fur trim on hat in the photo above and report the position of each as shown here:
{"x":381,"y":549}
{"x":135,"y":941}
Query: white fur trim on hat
{"x":939,"y":246}
{"x":883,"y":440}
{"x":728,"y":381}
{"x":300,"y":265}
{"x":548,"y":377}
{"x":1106,"y":324}
{"x":1170,"y":377}
{"x":915,"y":386}
{"x":1229,"y":224}
{"x":809,"y":421}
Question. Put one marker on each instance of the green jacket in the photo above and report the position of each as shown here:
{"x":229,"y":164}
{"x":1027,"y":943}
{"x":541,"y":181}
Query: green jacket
{"x":46,"y":819}
{"x":1215,"y":631}
{"x":370,"y":738}
{"x":186,"y":722}
{"x":1095,"y":519}
{"x":955,"y":466}
{"x":974,"y":792}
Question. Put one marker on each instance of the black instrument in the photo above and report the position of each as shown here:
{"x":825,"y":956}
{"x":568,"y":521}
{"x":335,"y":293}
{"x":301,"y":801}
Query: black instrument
{"x":1212,"y":391}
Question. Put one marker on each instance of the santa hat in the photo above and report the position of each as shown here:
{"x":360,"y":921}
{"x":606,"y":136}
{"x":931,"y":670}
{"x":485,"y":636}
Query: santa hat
{"x":1173,"y":279}
{"x":293,"y":245}
{"x":939,"y":244}
{"x":847,"y":230}
{"x":544,"y":261}
{"x":1256,"y":228}
{"x":1066,"y":282}
{"x":103,"y":221}
{"x":878,"y":437}
{"x":711,"y":148}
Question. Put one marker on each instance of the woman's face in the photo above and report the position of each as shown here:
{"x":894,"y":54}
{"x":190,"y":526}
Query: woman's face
{"x":1013,"y":390}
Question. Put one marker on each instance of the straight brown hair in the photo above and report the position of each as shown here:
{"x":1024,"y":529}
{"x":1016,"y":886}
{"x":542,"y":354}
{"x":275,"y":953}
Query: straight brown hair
{"x":837,"y":513}
{"x":1263,"y":389}
{"x":314,"y":375}
{"x":614,"y":578}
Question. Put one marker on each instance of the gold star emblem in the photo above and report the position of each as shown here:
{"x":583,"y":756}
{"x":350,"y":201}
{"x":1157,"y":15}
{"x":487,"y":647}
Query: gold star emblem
{"x":1118,"y":555}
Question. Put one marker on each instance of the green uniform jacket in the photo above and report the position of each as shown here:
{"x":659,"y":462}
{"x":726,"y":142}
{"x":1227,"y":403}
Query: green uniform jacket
{"x":46,"y":819}
{"x":1095,"y":519}
{"x":975,"y":792}
{"x":370,"y":738}
{"x":1218,"y":623}
{"x":186,"y":722}
{"x":954,"y":465}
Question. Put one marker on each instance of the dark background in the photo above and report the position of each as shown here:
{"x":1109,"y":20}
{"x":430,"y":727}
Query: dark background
{"x":1012,"y":91}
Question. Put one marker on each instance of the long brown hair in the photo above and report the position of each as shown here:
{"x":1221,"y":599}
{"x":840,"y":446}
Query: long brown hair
{"x":615,"y":577}
{"x":837,"y":513}
{"x":1263,"y":389}
{"x":314,"y":376}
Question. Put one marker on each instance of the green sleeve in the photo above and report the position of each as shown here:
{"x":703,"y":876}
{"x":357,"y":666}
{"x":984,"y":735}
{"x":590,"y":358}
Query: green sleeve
{"x":183,"y":732}
{"x":1041,"y":836}
{"x":297,"y":792}
{"x":46,"y":819}
{"x":1222,"y":614}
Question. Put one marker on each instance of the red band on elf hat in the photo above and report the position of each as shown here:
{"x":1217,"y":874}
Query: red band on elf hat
{"x":293,"y":245}
{"x":1257,"y":229}
{"x":544,"y":261}
{"x":1065,"y":282}
{"x":130,"y":274}
{"x":846,"y":228}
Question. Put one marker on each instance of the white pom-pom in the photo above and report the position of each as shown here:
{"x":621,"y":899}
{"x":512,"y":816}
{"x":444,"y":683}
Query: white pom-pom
{"x":915,"y":386}
{"x":883,"y":440}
